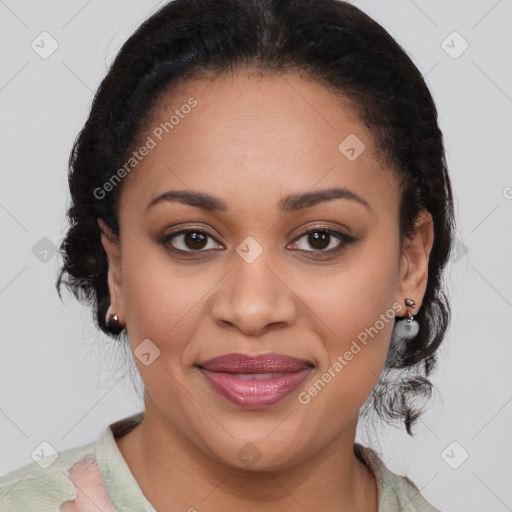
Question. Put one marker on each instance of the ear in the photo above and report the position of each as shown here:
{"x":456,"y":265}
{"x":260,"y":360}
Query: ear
{"x":112,"y":247}
{"x":414,"y":262}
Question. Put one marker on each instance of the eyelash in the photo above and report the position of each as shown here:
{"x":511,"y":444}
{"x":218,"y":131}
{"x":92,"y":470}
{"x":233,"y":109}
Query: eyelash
{"x":342,"y":237}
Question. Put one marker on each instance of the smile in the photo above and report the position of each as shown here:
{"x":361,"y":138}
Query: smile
{"x":255,"y":381}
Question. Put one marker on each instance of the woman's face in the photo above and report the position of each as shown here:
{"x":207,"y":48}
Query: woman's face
{"x":249,"y":281}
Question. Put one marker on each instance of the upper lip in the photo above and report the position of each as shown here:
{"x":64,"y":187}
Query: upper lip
{"x":261,"y":363}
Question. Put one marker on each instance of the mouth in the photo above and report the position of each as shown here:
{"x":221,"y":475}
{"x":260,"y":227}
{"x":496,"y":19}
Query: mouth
{"x":255,"y":381}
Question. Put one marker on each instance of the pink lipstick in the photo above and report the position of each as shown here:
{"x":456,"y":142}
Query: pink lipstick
{"x":255,"y":381}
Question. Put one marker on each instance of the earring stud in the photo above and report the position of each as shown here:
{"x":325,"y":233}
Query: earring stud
{"x":408,"y":328}
{"x":112,"y":322}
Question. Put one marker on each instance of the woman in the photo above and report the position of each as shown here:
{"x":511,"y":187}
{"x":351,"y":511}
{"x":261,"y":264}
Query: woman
{"x":261,"y":209}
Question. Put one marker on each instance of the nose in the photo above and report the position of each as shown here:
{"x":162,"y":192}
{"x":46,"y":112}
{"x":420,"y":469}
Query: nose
{"x":254,"y":297}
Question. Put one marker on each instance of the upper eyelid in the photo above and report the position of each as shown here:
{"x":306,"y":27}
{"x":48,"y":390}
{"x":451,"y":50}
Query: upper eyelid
{"x":342,"y":238}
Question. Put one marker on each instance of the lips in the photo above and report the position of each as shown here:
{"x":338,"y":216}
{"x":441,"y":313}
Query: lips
{"x":255,"y":381}
{"x":262,"y":363}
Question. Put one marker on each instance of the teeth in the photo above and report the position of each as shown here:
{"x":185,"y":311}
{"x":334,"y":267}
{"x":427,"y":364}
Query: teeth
{"x":257,"y":376}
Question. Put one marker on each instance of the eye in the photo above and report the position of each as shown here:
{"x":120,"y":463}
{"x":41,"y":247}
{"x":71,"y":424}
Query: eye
{"x":323,"y":240}
{"x":188,"y":240}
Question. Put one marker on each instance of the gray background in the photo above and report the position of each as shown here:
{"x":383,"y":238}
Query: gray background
{"x":63,"y":382}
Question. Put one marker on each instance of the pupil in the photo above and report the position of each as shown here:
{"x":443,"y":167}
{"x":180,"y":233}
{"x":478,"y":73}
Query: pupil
{"x":196,"y":238}
{"x":319,"y":237}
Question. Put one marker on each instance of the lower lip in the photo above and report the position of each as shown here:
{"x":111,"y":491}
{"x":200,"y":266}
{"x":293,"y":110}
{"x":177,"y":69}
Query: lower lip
{"x":255,"y":393}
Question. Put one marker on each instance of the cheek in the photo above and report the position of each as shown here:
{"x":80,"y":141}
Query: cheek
{"x":166,"y":302}
{"x":357,"y":317}
{"x":157,"y":294}
{"x":356,"y":341}
{"x":353,"y":297}
{"x":354,"y":358}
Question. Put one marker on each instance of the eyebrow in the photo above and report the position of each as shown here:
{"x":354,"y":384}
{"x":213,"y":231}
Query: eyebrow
{"x":291,"y":203}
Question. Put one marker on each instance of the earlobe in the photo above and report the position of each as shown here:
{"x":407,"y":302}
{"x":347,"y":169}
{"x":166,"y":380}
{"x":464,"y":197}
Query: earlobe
{"x":416,"y":255}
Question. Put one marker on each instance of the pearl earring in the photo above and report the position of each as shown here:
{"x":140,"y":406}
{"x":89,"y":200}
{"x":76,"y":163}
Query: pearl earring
{"x":408,"y":328}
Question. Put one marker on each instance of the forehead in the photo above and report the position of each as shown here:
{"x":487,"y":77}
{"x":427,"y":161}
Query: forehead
{"x":256,"y":138}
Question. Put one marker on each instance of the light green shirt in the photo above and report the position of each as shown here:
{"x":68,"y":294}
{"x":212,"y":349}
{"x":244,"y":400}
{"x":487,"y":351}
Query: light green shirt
{"x":95,"y":476}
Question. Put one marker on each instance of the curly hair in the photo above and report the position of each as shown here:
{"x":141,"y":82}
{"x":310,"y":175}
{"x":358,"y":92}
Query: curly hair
{"x":330,"y":41}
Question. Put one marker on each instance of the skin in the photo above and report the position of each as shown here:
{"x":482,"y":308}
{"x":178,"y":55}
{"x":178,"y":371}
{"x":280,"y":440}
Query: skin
{"x":252,"y":141}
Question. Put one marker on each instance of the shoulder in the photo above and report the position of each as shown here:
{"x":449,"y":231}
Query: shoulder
{"x":43,"y":485}
{"x":396,"y":492}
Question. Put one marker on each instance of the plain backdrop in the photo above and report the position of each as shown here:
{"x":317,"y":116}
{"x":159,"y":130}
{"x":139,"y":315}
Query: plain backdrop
{"x":63,"y":382}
